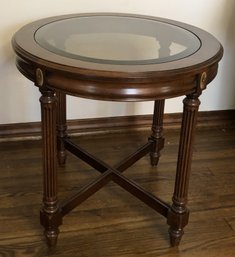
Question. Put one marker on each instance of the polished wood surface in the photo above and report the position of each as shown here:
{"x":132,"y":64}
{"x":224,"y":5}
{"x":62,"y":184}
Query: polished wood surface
{"x":57,"y":75}
{"x":50,"y":215}
{"x":179,"y":214}
{"x":116,"y":82}
{"x":112,"y":222}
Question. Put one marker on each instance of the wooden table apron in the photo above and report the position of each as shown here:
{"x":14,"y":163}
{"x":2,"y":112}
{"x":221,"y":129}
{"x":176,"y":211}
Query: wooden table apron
{"x":57,"y":76}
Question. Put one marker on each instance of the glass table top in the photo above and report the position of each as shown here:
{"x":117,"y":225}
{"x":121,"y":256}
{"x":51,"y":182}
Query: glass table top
{"x":117,"y":40}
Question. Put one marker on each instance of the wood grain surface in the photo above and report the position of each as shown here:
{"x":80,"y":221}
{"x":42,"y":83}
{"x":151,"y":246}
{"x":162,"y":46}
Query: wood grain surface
{"x":97,"y":80}
{"x":112,"y":222}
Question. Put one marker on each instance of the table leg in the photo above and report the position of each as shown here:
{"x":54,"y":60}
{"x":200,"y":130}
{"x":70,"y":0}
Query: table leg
{"x":178,"y":214}
{"x":157,"y":132}
{"x":50,"y":214}
{"x":61,"y":127}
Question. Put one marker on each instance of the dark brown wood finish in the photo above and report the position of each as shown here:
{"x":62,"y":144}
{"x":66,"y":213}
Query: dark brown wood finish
{"x":157,"y":131}
{"x":54,"y":73}
{"x":61,"y":127}
{"x":112,"y":82}
{"x":113,"y":223}
{"x":50,"y":213}
{"x":178,"y":215}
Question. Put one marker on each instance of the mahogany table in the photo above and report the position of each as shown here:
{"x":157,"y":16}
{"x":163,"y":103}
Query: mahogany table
{"x":115,"y":57}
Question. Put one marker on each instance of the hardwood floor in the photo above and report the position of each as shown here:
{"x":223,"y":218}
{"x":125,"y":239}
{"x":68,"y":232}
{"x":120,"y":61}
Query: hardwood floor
{"x":112,"y":222}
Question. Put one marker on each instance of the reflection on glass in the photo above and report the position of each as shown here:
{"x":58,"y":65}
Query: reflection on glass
{"x":117,"y":40}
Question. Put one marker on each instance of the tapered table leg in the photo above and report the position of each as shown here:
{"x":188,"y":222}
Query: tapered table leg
{"x":178,"y":215}
{"x":157,"y":132}
{"x":61,"y":127}
{"x":50,"y":214}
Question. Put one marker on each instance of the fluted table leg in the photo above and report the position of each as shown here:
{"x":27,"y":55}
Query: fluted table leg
{"x":50,"y":216}
{"x":61,"y":127}
{"x":157,"y":132}
{"x":178,"y":215}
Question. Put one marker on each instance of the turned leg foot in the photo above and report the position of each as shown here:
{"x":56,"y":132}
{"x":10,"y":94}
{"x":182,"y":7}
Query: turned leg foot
{"x":51,"y":237}
{"x":51,"y":222}
{"x":177,"y":218}
{"x":157,"y":132}
{"x":61,"y":156}
{"x":154,"y":159}
{"x":175,"y":236}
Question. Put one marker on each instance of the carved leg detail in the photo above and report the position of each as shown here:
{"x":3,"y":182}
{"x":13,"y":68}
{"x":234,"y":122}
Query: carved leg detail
{"x":179,"y":214}
{"x":157,"y":132}
{"x":61,"y":127}
{"x":177,"y":222}
{"x":50,"y":215}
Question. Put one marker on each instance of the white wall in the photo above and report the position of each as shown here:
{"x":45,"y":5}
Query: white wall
{"x":19,"y":99}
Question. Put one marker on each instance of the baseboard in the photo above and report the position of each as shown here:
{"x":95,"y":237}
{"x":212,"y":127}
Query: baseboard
{"x":32,"y":130}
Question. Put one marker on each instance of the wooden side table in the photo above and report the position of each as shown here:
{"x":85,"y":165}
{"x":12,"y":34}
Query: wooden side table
{"x":115,"y":57}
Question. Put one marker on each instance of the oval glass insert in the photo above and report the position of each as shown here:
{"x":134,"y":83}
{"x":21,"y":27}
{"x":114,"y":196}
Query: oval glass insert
{"x":117,"y":40}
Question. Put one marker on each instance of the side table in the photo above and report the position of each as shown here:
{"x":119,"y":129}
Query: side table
{"x":115,"y":57}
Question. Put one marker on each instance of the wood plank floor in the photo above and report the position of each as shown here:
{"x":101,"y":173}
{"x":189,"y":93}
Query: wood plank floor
{"x":112,"y":222}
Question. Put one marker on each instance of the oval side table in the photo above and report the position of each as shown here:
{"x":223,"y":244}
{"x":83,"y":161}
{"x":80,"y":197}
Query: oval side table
{"x":115,"y":57}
